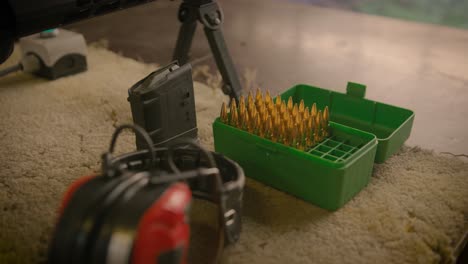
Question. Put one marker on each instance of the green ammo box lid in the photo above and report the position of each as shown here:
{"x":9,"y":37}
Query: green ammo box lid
{"x":390,"y":124}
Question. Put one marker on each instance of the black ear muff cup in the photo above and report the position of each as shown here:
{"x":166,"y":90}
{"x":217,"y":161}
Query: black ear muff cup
{"x":79,"y":217}
{"x":73,"y":216}
{"x":121,"y":222}
{"x":98,"y":216}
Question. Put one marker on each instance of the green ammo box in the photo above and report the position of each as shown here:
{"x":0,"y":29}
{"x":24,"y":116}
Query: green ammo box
{"x":335,"y":170}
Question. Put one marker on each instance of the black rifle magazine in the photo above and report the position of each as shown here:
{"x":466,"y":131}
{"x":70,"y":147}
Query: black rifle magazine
{"x":163,"y":104}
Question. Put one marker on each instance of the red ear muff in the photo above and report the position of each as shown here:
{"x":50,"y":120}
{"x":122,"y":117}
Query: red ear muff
{"x":163,"y":231}
{"x":71,"y":190}
{"x":136,"y":211}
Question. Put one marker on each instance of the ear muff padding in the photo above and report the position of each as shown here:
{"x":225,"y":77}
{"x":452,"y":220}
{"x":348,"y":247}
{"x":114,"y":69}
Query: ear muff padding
{"x":125,"y":214}
{"x":71,"y":190}
{"x":96,"y":217}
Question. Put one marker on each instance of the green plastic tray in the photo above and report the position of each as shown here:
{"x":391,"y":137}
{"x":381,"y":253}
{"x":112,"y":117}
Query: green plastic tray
{"x":390,"y":124}
{"x":328,"y":175}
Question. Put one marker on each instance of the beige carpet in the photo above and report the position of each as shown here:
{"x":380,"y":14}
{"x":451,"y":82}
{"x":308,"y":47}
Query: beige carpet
{"x":414,"y":210}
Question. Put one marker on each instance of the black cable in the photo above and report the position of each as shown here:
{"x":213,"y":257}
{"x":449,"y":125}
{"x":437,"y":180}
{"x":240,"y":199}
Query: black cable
{"x":12,"y":69}
{"x":139,"y":132}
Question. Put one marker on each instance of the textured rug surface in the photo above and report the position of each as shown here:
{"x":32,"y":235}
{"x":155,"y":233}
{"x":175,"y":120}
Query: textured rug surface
{"x":414,"y":210}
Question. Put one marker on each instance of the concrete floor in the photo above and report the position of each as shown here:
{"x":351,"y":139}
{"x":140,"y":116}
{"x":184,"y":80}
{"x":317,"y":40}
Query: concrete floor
{"x":417,"y":66}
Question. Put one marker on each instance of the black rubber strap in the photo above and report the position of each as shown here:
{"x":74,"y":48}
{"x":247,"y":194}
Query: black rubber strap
{"x":216,"y":192}
{"x":192,"y":143}
{"x":216,"y":178}
{"x":198,"y":173}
